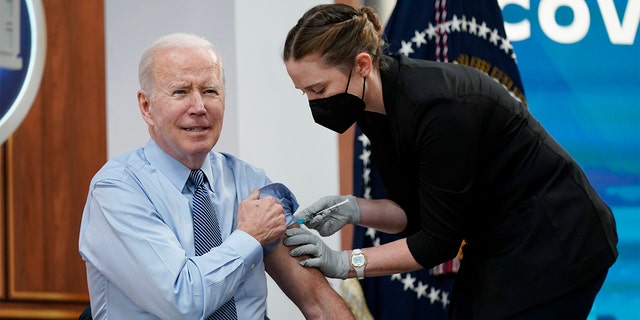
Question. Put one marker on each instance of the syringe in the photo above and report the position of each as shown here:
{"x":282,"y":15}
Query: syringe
{"x":322,"y":212}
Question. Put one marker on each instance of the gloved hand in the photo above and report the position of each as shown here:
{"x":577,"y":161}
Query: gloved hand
{"x":333,"y":220}
{"x":333,"y":264}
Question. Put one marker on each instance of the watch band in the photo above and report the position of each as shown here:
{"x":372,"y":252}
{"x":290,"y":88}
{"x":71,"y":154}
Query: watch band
{"x":358,"y":262}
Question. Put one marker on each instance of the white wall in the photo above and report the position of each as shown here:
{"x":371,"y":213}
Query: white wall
{"x":130,"y":27}
{"x":267,"y":121}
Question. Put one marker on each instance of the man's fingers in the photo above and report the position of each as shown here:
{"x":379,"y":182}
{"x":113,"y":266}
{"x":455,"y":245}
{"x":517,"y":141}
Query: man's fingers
{"x":255,"y":195}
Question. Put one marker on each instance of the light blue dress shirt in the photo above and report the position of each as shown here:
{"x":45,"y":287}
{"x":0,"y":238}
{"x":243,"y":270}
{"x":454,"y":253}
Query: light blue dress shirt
{"x":136,"y":237}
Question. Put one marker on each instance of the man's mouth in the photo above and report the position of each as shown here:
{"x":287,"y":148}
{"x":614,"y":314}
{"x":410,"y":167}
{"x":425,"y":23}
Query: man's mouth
{"x":196,"y":129}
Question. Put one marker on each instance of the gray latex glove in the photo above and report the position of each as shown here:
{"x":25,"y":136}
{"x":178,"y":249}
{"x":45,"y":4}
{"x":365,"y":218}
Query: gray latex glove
{"x":332,"y":220}
{"x":333,"y":264}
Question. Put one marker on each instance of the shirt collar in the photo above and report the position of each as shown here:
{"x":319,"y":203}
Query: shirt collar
{"x":174,"y":170}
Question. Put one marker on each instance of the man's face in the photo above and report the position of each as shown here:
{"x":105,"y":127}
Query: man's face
{"x":185,"y":110}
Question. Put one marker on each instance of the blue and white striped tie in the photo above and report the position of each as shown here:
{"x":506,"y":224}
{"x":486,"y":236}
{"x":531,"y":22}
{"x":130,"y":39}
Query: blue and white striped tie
{"x":206,"y":232}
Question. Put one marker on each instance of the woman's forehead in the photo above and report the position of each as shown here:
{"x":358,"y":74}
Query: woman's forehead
{"x":310,"y":70}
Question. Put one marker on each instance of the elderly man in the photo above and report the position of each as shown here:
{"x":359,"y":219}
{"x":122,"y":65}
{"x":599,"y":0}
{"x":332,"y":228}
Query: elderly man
{"x":174,"y":230}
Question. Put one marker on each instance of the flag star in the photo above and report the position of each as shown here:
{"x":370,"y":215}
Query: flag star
{"x":431,"y":31}
{"x":505,"y":45}
{"x":421,"y":290}
{"x":376,"y":242}
{"x":472,"y":26}
{"x":396,"y":276}
{"x":365,"y":157}
{"x":494,"y":37}
{"x":366,"y":176}
{"x":434,"y":295}
{"x":445,"y":299}
{"x":364,"y":140}
{"x":371,"y":232}
{"x":406,"y":48}
{"x":455,"y":24}
{"x":465,"y":23}
{"x":446,"y":27}
{"x":367,"y":193}
{"x":483,"y":30}
{"x":418,"y":38}
{"x":408,"y":282}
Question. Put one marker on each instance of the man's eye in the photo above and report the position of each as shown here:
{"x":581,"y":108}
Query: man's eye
{"x":179,"y":92}
{"x":210,"y":92}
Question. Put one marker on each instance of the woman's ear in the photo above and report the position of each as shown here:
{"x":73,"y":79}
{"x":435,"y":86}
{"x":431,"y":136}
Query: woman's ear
{"x":364,"y":64}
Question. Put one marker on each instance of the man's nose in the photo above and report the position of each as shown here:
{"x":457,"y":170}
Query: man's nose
{"x":197,"y":103}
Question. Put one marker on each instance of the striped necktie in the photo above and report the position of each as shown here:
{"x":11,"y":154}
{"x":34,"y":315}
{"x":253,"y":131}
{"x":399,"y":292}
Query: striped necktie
{"x":206,"y":232}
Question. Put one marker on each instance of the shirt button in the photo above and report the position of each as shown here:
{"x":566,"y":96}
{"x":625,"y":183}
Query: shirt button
{"x":253,"y":265}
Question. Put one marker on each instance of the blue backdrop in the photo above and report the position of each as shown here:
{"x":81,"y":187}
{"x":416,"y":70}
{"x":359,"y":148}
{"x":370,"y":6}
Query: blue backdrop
{"x":580,"y":66}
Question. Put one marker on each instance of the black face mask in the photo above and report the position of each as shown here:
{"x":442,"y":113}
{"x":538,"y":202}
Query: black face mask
{"x":339,"y":111}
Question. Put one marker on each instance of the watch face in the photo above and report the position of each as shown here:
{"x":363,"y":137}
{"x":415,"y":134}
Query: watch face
{"x":357,"y":260}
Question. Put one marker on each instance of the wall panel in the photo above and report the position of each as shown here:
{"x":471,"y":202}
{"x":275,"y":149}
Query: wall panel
{"x":48,"y":164}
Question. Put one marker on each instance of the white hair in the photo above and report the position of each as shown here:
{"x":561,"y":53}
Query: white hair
{"x":145,"y":69}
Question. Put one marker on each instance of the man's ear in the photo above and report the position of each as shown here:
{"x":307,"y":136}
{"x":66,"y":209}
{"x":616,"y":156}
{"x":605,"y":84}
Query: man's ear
{"x":364,"y":64}
{"x":144,"y":104}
